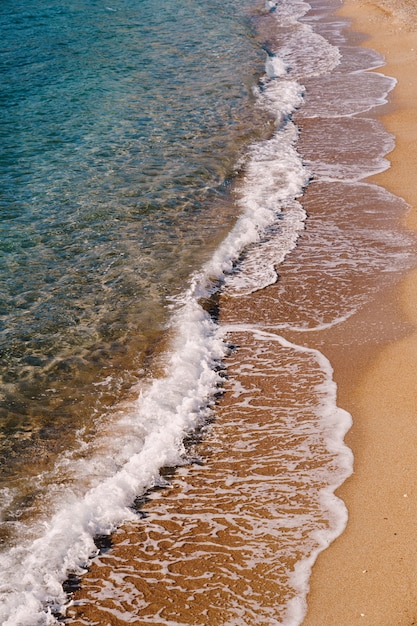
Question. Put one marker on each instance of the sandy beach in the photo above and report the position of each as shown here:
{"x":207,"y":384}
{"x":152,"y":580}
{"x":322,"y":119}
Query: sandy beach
{"x":188,"y":563}
{"x":368,"y":575}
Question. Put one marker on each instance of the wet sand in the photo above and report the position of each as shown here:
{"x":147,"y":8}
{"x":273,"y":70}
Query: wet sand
{"x":369,"y":574}
{"x":216,"y":546}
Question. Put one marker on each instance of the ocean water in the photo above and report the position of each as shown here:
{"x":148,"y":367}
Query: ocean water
{"x":153,"y":157}
{"x":121,"y":129}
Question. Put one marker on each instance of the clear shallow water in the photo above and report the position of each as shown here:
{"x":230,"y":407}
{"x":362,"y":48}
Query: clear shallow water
{"x":121,"y":126}
{"x":120,"y":223}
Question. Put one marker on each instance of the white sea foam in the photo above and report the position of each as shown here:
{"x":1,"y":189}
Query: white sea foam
{"x":275,"y":67}
{"x":274,"y":177}
{"x":270,"y":218}
{"x":306,"y":53}
{"x":288,"y":11}
{"x":302,"y":51}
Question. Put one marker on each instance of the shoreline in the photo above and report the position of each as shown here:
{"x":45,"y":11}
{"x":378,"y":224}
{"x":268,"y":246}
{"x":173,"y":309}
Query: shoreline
{"x":211,"y":543}
{"x":368,"y":574}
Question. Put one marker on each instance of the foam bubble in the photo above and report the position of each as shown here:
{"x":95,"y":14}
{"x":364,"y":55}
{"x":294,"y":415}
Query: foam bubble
{"x":275,"y":66}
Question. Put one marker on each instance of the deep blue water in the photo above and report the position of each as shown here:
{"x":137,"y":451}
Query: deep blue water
{"x":121,"y":127}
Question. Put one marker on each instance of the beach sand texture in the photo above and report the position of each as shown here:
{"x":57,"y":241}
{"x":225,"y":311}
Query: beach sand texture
{"x":369,"y":573}
{"x":210,"y":551}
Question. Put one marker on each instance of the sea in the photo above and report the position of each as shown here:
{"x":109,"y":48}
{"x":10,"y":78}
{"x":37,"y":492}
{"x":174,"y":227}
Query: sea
{"x":164,"y":167}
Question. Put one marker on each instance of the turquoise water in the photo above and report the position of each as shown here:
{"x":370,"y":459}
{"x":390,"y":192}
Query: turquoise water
{"x":122,"y":125}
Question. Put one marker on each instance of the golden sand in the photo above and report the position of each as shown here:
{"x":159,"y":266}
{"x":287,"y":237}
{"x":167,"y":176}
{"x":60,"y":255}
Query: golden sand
{"x":369,"y":575}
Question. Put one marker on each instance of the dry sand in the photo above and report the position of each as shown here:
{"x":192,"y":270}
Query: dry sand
{"x":369,"y":575}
